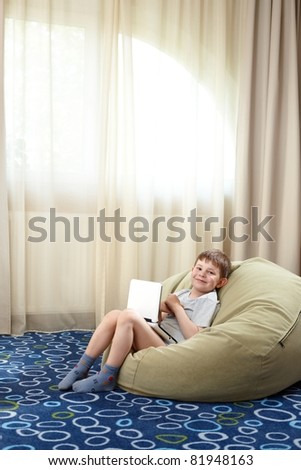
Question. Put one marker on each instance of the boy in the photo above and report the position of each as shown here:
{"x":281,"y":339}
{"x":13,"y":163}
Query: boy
{"x":184,"y":314}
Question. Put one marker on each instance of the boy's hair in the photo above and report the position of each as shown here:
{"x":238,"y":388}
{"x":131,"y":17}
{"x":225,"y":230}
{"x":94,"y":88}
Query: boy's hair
{"x":219,"y":259}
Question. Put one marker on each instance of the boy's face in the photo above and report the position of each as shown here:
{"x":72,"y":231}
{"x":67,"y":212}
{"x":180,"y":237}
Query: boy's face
{"x":206,"y":277}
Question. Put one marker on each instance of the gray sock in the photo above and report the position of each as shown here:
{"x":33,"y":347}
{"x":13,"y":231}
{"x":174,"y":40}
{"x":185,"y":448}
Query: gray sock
{"x":104,"y":381}
{"x":79,"y":372}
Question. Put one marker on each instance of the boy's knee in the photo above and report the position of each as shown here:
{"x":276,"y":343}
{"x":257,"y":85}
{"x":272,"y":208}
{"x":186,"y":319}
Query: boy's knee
{"x":113,"y":315}
{"x":128,"y":316}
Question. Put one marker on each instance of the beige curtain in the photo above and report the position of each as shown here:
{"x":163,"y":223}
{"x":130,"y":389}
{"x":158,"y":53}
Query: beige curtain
{"x":267,"y":185}
{"x":139,"y":133}
{"x":5,"y":308}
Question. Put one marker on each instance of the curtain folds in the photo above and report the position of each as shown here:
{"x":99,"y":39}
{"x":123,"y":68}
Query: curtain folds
{"x":137,"y":134}
{"x":5,"y":307}
{"x":267,"y":185}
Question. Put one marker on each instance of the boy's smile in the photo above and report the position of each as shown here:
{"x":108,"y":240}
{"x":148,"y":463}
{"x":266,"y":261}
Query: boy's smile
{"x":205,"y":278}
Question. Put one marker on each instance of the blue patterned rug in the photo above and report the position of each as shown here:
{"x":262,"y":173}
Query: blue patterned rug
{"x":34,"y":414}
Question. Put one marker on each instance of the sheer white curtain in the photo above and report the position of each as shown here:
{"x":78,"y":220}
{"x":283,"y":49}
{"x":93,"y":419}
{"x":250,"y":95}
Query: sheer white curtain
{"x":168,"y":115}
{"x":5,"y":315}
{"x":123,"y":144}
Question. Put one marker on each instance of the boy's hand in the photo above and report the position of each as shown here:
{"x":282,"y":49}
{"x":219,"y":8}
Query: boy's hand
{"x":164,"y":307}
{"x":164,"y":310}
{"x":169,"y":306}
{"x":175,"y":308}
{"x":172,"y":302}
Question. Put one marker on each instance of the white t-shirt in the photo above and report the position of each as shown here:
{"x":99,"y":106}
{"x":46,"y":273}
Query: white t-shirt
{"x":200,"y":310}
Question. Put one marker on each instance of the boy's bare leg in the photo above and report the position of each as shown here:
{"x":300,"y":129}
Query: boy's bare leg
{"x":99,"y":341}
{"x":103,"y":335}
{"x":132,"y":332}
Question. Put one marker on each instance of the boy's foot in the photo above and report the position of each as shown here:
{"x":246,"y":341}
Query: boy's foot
{"x":79,"y":372}
{"x":104,"y":381}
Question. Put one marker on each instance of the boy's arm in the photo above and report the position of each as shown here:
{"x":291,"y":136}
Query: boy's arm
{"x":187,"y":326}
{"x":164,"y":310}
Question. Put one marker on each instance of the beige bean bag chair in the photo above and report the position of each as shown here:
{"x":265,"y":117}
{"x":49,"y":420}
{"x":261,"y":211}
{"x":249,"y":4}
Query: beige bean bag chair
{"x":252,"y":349}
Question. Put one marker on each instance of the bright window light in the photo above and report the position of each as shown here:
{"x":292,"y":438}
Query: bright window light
{"x":179,"y":126}
{"x":179,"y":129}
